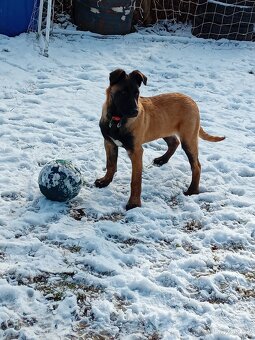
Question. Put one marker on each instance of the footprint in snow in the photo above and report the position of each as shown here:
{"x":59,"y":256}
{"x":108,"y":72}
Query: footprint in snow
{"x":214,"y":157}
{"x":211,"y":86}
{"x":222,"y":166}
{"x":32,"y":101}
{"x":251,"y":146}
{"x":234,"y":106}
{"x":50,"y":120}
{"x":83,"y":76}
{"x":236,"y":100}
{"x":250,"y":128}
{"x":3,"y":108}
{"x":89,"y":67}
{"x":199,"y":84}
{"x":17,"y":117}
{"x":246,"y":172}
{"x":42,"y":76}
{"x":170,"y":75}
{"x":213,"y":75}
{"x":237,"y":191}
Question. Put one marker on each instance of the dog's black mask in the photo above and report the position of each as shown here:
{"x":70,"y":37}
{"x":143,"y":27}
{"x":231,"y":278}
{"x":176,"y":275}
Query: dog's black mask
{"x":124,"y":93}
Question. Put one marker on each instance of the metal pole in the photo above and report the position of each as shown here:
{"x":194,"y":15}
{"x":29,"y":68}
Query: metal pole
{"x":47,"y":31}
{"x":39,"y":29}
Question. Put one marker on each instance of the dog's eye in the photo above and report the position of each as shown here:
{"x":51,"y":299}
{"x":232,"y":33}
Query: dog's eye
{"x":136,"y":93}
{"x":124,"y":93}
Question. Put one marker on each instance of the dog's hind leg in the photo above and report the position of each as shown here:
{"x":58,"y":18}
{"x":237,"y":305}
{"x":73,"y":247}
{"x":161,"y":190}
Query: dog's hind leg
{"x":191,"y":150}
{"x":172,"y":143}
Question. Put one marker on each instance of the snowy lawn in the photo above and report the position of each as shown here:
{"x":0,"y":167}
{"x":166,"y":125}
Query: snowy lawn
{"x":177,"y":268}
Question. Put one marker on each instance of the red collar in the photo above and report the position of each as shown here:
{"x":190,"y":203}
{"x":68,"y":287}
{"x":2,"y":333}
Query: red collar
{"x":116,"y":118}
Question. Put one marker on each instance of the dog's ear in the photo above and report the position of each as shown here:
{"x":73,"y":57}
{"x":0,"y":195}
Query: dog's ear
{"x":139,"y":77}
{"x":116,"y":76}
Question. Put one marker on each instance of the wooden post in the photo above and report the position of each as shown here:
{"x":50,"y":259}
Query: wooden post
{"x":146,"y":7}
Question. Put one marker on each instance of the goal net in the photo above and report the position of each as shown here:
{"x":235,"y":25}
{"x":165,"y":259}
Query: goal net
{"x":215,"y":19}
{"x":33,"y":24}
{"x":209,"y":19}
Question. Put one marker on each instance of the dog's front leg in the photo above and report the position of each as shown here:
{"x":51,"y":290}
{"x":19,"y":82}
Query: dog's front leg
{"x":136,"y":157}
{"x":111,"y":164}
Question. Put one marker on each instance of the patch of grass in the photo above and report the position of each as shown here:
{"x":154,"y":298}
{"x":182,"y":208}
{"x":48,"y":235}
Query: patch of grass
{"x":11,"y":196}
{"x":104,"y":335}
{"x":85,"y":330}
{"x":215,"y":300}
{"x":93,"y":335}
{"x":214,"y":247}
{"x":97,"y":273}
{"x":173,"y":202}
{"x":192,"y":226}
{"x":246,"y":293}
{"x":56,"y":291}
{"x":250,"y":276}
{"x":10,"y":323}
{"x":17,"y":324}
{"x":120,"y":303}
{"x":55,"y":286}
{"x":206,"y":206}
{"x":154,"y":336}
{"x":114,"y":217}
{"x":199,"y":331}
{"x":129,"y":241}
{"x":73,"y":248}
{"x":231,"y":246}
{"x":79,"y":213}
{"x":189,"y":248}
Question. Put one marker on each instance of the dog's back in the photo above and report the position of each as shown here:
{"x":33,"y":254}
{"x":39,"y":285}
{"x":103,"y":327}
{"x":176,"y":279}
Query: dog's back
{"x":166,"y":114}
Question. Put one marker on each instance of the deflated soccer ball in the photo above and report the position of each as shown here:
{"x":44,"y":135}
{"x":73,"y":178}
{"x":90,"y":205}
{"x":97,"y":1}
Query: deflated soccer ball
{"x":60,"y":180}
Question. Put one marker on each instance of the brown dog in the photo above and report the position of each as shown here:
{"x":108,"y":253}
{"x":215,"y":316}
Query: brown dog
{"x":129,"y":120}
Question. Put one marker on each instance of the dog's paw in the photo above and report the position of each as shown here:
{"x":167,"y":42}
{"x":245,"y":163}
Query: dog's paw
{"x":191,"y":192}
{"x":130,"y":206}
{"x":102,"y":182}
{"x":160,"y":161}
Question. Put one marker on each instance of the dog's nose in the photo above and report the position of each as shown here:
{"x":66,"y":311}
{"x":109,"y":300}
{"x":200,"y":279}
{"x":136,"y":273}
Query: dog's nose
{"x":135,"y":111}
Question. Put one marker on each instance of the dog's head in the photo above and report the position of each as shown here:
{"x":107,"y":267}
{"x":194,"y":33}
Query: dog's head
{"x":123,"y":93}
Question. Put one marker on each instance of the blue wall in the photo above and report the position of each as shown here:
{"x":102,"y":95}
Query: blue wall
{"x":15,"y":16}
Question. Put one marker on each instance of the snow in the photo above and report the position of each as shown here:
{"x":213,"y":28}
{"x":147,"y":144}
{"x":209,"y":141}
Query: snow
{"x":94,"y":10}
{"x":178,"y":267}
{"x":118,"y":9}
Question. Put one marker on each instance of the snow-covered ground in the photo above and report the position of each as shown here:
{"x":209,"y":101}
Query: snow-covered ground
{"x":177,"y":268}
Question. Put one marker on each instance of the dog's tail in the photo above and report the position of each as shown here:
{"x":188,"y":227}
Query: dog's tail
{"x":205,"y":136}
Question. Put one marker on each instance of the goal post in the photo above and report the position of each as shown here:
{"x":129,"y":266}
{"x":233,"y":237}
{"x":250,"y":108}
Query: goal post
{"x":44,"y":33}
